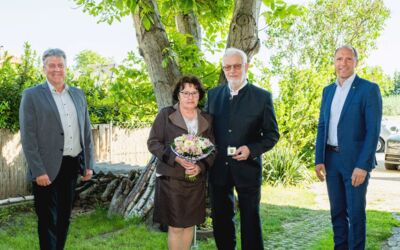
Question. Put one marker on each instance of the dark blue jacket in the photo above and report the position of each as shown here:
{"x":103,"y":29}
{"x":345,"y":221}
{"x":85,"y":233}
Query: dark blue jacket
{"x":246,"y":119}
{"x":359,"y":124}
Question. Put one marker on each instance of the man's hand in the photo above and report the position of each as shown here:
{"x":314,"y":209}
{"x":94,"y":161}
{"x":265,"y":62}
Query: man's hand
{"x":88,"y":176}
{"x":358,"y":177}
{"x":43,"y":180}
{"x":320,"y":171}
{"x":242,"y":153}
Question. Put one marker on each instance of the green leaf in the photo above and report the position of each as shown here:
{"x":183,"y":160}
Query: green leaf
{"x":146,"y":22}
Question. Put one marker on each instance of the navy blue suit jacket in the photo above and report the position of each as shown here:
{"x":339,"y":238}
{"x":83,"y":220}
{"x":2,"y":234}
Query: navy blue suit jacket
{"x":246,"y":119}
{"x":359,"y":124}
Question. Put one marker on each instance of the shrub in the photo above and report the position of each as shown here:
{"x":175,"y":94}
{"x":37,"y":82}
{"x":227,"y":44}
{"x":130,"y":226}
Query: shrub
{"x":14,"y":78}
{"x":281,"y":166}
{"x":391,"y":105}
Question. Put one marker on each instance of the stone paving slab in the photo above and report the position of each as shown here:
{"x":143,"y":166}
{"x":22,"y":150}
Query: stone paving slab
{"x":299,"y":234}
{"x":393,"y":243}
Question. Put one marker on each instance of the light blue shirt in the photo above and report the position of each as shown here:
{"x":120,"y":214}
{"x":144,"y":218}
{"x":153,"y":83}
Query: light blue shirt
{"x":336,"y":108}
{"x":69,"y":120}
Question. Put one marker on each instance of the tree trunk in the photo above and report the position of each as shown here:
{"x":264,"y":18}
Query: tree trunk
{"x":188,"y":24}
{"x":243,"y":31}
{"x":154,"y":47}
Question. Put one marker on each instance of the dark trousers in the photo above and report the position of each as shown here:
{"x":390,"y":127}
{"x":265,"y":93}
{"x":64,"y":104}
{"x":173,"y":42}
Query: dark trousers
{"x":223,"y":204}
{"x":347,"y":204}
{"x":53,"y":205}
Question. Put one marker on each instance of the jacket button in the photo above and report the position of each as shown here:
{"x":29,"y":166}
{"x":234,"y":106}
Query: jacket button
{"x":61,"y":149}
{"x":62,"y":134}
{"x":226,"y":163}
{"x":230,"y":130}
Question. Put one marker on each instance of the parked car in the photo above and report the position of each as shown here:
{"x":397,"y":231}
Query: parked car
{"x":392,"y":152}
{"x":386,"y":131}
{"x":384,"y":134}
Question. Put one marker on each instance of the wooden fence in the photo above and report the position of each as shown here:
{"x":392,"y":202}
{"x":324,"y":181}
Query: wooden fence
{"x":12,"y":166}
{"x":111,"y":144}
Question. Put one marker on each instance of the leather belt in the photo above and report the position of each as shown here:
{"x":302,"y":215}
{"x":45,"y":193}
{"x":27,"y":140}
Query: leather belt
{"x":69,"y":157}
{"x":332,"y":148}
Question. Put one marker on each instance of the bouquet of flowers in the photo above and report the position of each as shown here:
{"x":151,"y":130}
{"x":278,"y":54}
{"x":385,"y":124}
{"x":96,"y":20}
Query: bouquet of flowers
{"x":192,"y":148}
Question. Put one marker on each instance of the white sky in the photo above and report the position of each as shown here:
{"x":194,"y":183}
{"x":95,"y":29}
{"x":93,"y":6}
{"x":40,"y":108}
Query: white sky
{"x":58,"y":23}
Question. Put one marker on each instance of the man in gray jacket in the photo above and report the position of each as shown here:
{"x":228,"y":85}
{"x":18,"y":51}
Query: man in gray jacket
{"x":57,"y":143}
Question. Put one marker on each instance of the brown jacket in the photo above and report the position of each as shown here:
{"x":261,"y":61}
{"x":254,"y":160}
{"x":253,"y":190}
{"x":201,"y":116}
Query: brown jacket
{"x":168,"y":125}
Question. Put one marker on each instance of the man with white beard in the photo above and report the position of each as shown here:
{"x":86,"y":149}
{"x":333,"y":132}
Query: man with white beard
{"x":245,"y":127}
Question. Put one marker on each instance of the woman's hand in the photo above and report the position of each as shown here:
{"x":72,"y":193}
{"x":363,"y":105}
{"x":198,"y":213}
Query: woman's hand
{"x":184,"y":163}
{"x":190,"y":168}
{"x":193,"y":171}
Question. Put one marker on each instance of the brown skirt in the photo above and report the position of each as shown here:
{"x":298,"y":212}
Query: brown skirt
{"x":179,"y":203}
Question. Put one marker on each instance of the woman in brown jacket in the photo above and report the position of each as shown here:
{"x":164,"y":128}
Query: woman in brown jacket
{"x":180,"y":203}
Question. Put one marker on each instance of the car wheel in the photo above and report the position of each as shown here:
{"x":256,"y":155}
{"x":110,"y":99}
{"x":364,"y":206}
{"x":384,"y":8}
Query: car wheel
{"x":381,"y":145}
{"x":390,"y":166}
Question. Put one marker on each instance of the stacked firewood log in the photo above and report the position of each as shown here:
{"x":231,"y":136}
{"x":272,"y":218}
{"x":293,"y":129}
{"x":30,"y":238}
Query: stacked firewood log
{"x":101,"y":188}
{"x":128,"y":195}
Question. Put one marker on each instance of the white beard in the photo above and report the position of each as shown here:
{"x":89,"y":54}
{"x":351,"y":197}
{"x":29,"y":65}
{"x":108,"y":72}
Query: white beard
{"x":236,"y":84}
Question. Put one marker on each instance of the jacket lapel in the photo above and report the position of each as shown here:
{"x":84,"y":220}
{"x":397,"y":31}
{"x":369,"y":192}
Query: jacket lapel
{"x":349,"y":97}
{"x":74,"y":96}
{"x":47,"y":93}
{"x":329,"y":99}
{"x":203,"y":123}
{"x":177,"y":119}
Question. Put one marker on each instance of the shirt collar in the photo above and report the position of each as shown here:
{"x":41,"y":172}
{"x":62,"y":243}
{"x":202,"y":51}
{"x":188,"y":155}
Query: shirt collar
{"x":233,"y":92}
{"x":347,"y":82}
{"x":53,"y":90}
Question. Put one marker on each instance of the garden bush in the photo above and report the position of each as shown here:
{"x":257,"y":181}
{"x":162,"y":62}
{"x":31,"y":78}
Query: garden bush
{"x":391,"y":105}
{"x":281,"y":166}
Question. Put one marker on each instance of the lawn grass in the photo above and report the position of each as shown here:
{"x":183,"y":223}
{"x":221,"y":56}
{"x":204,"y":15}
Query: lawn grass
{"x":288,"y":220}
{"x":88,"y":231}
{"x":280,"y":205}
{"x":379,"y":229}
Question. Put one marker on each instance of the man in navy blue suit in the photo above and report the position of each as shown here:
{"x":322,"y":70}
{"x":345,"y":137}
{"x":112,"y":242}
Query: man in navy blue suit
{"x":348,"y":132}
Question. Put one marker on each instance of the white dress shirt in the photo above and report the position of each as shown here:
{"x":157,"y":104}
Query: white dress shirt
{"x":233,"y":92}
{"x":69,"y":120}
{"x":336,"y":108}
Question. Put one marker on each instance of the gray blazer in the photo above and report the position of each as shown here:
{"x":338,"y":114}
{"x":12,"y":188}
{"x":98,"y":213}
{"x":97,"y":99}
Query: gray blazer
{"x":42,"y":134}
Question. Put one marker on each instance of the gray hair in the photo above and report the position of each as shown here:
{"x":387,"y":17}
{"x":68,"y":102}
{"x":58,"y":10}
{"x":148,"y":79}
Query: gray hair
{"x":237,"y":52}
{"x":53,"y":52}
{"x":349,"y":47}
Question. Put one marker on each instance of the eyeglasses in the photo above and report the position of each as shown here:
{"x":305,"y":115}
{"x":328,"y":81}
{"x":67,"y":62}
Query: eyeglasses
{"x":187,"y":94}
{"x":53,"y":66}
{"x":234,"y":66}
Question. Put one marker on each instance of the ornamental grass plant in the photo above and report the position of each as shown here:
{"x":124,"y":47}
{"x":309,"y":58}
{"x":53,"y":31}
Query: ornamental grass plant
{"x":281,"y":166}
